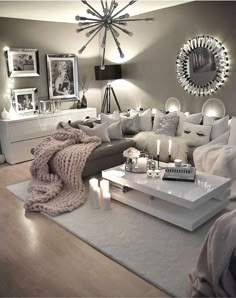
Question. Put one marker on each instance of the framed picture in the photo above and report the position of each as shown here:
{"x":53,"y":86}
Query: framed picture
{"x":62,"y":76}
{"x":23,"y":62}
{"x":24,"y":100}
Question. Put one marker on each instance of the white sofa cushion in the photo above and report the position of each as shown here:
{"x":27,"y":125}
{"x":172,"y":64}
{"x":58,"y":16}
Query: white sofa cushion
{"x":192,"y":118}
{"x":114,"y":130}
{"x":100,"y":130}
{"x":145,"y":119}
{"x":196,"y":135}
{"x":219,"y":126}
{"x":110,"y":118}
{"x":232,"y":136}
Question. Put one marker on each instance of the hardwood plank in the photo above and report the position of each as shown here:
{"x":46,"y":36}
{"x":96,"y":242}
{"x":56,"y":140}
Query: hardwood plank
{"x":40,"y":258}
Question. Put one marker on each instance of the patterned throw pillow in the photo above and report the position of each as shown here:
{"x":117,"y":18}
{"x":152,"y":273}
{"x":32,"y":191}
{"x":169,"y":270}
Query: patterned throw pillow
{"x":130,"y":125}
{"x":196,"y":135}
{"x":167,"y":124}
{"x":101,"y":131}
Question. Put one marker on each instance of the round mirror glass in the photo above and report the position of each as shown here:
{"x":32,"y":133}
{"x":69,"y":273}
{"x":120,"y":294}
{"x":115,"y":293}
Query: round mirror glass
{"x":202,"y":65}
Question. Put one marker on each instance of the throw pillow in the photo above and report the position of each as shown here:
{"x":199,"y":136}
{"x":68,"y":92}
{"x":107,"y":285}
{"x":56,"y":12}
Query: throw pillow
{"x":87,"y":122}
{"x":232,"y":136}
{"x":167,"y":124}
{"x":100,"y":130}
{"x":145,"y":119}
{"x":130,"y":125}
{"x":219,"y":126}
{"x":114,"y":130}
{"x":196,"y":135}
{"x":157,"y":114}
{"x":192,"y":118}
{"x":110,"y":118}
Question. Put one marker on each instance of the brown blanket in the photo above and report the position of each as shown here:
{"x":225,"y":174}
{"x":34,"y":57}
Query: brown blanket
{"x":61,"y":190}
{"x":213,"y":276}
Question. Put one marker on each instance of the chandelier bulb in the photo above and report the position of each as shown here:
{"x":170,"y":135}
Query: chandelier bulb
{"x":77,"y":18}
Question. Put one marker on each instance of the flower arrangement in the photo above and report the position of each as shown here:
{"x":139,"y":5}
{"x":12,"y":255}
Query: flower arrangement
{"x":131,"y":153}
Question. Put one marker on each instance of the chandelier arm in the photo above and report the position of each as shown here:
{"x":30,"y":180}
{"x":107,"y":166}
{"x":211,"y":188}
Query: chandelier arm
{"x":123,"y":30}
{"x":103,"y":7}
{"x":103,"y":45}
{"x":93,"y":9}
{"x":110,"y":9}
{"x":133,"y":20}
{"x":117,"y":42}
{"x":113,"y":8}
{"x":84,"y":47}
{"x":89,"y":19}
{"x":130,"y":3}
{"x":82,"y":29}
{"x":87,"y":23}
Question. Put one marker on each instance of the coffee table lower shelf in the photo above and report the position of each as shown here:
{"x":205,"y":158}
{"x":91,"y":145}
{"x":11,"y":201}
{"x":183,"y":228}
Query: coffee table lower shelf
{"x":189,"y":219}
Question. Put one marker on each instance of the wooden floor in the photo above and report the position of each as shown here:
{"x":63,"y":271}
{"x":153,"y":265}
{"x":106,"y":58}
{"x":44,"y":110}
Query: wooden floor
{"x":38,"y":258}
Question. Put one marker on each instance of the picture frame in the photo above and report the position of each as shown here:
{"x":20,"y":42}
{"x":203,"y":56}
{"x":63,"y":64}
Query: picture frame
{"x":22,"y":62}
{"x":24,"y":100}
{"x":62,"y":71}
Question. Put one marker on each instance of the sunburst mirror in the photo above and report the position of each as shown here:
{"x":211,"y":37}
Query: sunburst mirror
{"x":202,"y":65}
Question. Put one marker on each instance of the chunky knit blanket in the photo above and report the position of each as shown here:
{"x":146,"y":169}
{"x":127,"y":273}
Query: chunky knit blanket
{"x":57,"y":185}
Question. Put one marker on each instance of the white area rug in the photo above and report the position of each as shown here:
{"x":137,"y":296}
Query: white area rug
{"x":159,"y":252}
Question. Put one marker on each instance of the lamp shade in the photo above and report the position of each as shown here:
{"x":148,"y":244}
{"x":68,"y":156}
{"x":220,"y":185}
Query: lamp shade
{"x":111,"y":72}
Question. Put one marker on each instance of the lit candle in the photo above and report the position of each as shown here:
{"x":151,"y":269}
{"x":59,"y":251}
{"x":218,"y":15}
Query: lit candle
{"x":94,"y":193}
{"x":104,"y":185}
{"x":170,"y":146}
{"x":106,"y":199}
{"x":142,"y":163}
{"x":158,"y":147}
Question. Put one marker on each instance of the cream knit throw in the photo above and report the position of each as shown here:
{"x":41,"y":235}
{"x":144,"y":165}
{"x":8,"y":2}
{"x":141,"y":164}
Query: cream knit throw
{"x":59,"y":188}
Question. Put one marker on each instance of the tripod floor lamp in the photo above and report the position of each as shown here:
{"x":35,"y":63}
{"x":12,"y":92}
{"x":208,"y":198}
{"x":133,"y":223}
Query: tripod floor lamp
{"x":110,"y":73}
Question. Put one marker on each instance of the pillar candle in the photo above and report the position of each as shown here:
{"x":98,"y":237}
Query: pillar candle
{"x":170,"y":146}
{"x":96,"y":198}
{"x":104,"y":185}
{"x":142,"y":163}
{"x":158,"y":147}
{"x":106,"y":200}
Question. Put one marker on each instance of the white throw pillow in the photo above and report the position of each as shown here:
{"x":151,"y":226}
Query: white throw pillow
{"x":196,"y":135}
{"x":114,"y":130}
{"x":110,"y":118}
{"x":145,"y":119}
{"x":219,"y":126}
{"x":232,"y":136}
{"x":100,"y":130}
{"x":192,"y":118}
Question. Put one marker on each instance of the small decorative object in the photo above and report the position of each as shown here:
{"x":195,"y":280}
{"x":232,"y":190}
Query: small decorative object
{"x":183,"y":173}
{"x":5,"y":114}
{"x":131,"y":154}
{"x":149,"y":173}
{"x":62,"y":70}
{"x":151,"y":164}
{"x":23,"y":100}
{"x":110,"y":20}
{"x":178,"y":162}
{"x":83,"y":85}
{"x":202,"y":65}
{"x":156,"y":173}
{"x":94,"y":193}
{"x":22,"y":62}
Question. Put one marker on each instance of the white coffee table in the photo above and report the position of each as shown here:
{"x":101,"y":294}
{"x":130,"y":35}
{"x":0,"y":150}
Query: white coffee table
{"x":185,"y":204}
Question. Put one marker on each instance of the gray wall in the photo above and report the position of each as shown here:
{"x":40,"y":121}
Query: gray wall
{"x":149,"y":64}
{"x":48,"y":38}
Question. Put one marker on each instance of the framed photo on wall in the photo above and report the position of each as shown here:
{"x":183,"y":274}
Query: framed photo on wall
{"x":62,"y":73}
{"x":22,"y":62}
{"x":24,"y":100}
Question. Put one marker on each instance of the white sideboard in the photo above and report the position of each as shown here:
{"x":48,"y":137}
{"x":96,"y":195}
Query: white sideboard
{"x":18,"y":136}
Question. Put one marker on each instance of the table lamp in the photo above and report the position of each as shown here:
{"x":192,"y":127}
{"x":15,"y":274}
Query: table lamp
{"x":110,"y":73}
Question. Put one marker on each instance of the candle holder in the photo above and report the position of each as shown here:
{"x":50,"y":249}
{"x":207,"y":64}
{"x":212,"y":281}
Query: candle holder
{"x":158,"y":162}
{"x":169,"y":158}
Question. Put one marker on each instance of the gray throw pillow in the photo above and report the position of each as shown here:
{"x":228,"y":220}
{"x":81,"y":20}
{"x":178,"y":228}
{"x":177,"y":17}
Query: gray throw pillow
{"x":100,"y":130}
{"x":167,"y":124}
{"x":130,"y":125}
{"x":114,"y":130}
{"x":87,"y":122}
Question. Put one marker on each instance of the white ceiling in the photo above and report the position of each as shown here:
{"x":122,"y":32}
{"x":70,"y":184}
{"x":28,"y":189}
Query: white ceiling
{"x":65,"y":11}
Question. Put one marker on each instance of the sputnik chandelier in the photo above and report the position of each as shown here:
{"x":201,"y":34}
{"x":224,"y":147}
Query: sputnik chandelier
{"x":110,"y":20}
